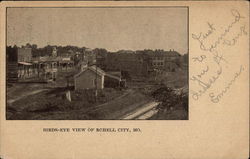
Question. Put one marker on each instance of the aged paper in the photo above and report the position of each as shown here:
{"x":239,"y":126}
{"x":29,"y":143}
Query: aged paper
{"x":215,"y":35}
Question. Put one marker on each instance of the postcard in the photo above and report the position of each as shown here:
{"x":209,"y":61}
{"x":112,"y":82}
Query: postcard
{"x":130,"y":79}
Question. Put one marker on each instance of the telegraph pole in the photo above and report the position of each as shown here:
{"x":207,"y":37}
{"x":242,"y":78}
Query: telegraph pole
{"x":96,"y":77}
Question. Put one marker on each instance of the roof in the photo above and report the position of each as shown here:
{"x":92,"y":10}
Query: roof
{"x":88,"y":49}
{"x":164,"y":53}
{"x":25,"y":63}
{"x":125,"y":51}
{"x":173,"y":53}
{"x":24,"y":48}
{"x":112,"y":76}
{"x":92,"y":68}
{"x":47,"y":59}
{"x":115,"y":73}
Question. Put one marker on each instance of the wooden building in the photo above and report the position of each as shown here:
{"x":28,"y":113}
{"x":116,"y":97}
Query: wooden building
{"x":89,"y":78}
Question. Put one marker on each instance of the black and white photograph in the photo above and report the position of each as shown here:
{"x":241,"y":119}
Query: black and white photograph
{"x":97,"y":63}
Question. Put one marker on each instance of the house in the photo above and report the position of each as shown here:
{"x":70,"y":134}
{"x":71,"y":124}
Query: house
{"x":89,"y":78}
{"x":24,"y":54}
{"x":66,"y":63}
{"x":24,"y":58}
{"x":47,"y":67}
{"x":163,"y":60}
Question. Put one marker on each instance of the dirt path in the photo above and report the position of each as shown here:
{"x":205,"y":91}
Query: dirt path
{"x":10,"y":101}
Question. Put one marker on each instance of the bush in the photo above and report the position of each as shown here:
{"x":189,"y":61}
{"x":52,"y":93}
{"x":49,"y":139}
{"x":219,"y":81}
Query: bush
{"x":169,"y":99}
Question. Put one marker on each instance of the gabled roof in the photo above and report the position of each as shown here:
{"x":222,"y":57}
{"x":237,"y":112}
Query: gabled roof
{"x":114,"y":77}
{"x":174,"y":53}
{"x":94,"y":68}
{"x":47,"y":59}
{"x":164,"y":53}
{"x":114,"y":73}
{"x":99,"y":71}
{"x":126,"y":51}
{"x":25,"y":63}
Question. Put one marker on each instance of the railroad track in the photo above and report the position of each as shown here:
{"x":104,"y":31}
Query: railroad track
{"x":144,"y":112}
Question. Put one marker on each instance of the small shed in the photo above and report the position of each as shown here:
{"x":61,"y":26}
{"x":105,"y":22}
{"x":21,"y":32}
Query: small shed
{"x":112,"y":81}
{"x":89,"y":78}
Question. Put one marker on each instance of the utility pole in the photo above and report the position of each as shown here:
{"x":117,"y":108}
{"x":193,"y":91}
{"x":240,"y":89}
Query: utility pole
{"x":96,"y":77}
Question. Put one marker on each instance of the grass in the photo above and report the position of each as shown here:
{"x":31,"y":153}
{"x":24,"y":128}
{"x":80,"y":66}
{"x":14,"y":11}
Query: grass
{"x":20,"y":89}
{"x":121,"y":106}
{"x":52,"y":104}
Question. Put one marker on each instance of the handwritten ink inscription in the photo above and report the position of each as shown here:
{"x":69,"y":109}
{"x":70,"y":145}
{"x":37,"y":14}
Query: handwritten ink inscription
{"x":221,"y":38}
{"x":216,"y":98}
{"x":210,"y":42}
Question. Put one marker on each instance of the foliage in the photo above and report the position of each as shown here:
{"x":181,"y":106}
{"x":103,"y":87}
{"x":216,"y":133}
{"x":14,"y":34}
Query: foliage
{"x":169,"y":99}
{"x":11,"y":53}
{"x":166,"y":96}
{"x":47,"y":50}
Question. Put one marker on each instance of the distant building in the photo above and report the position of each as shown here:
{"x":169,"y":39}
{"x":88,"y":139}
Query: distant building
{"x":163,"y":60}
{"x":89,"y":78}
{"x":24,"y":59}
{"x":66,"y":63}
{"x":184,"y":62}
{"x":140,"y":63}
{"x":54,"y":52}
{"x":24,"y":54}
{"x":101,"y":60}
{"x":48,"y":67}
{"x":126,"y":62}
{"x":157,"y":60}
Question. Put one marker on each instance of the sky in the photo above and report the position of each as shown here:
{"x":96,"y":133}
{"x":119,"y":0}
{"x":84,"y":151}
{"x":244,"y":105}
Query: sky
{"x":110,"y":28}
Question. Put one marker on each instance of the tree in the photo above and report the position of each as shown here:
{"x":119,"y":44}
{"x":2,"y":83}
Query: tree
{"x":170,"y":100}
{"x":100,"y":51}
{"x":34,"y":46}
{"x":166,"y":96}
{"x":177,"y":61}
{"x":11,"y":53}
{"x":28,"y":45}
{"x":185,"y":58}
{"x":48,"y":50}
